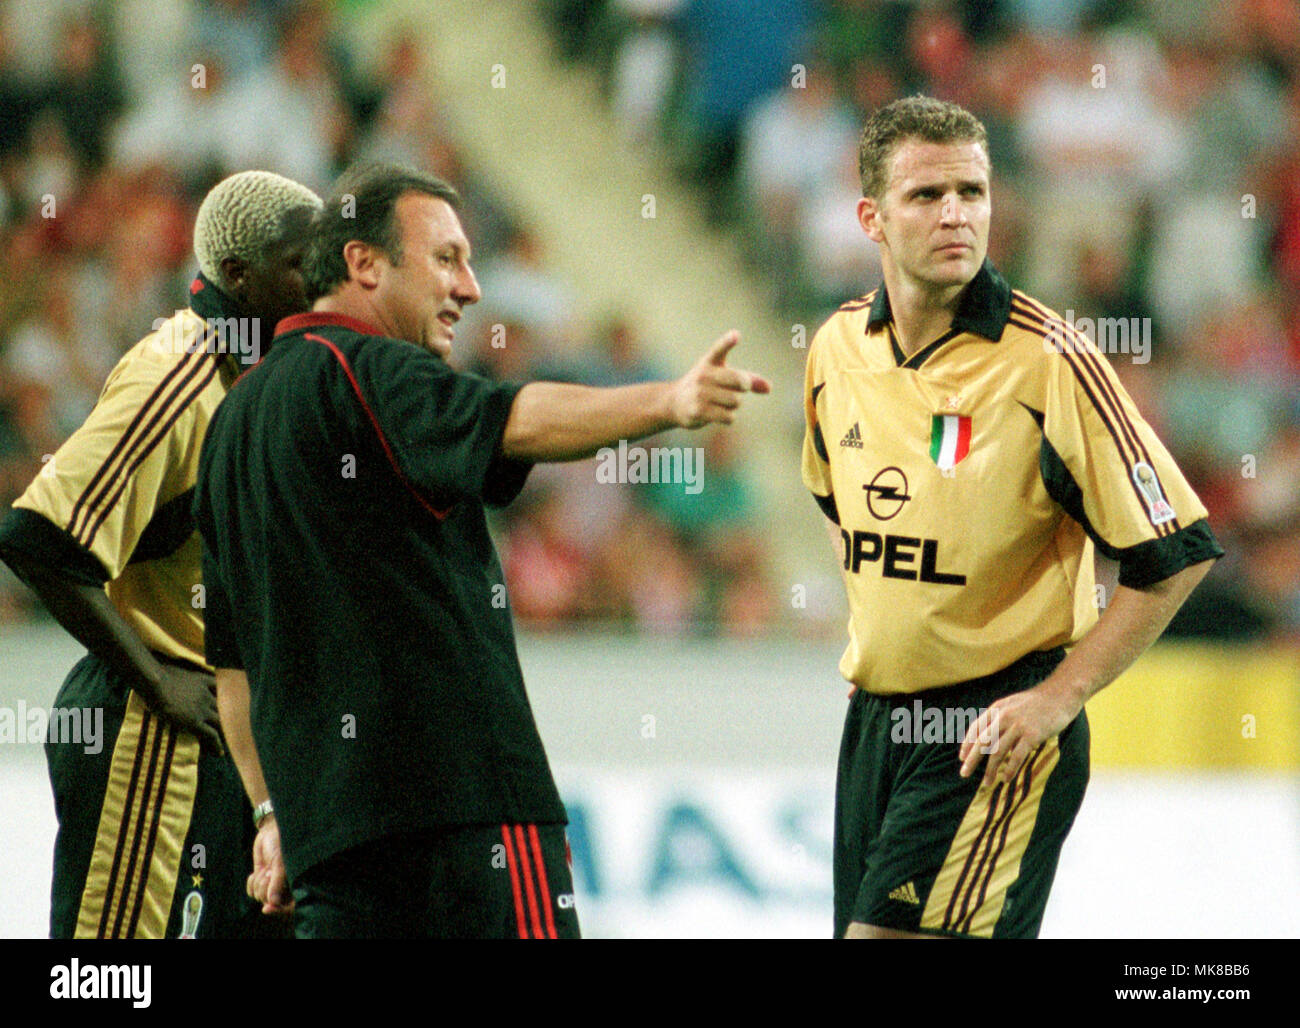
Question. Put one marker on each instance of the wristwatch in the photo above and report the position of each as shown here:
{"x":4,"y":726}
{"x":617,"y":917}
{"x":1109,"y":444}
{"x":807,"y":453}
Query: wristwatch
{"x":261,"y":812}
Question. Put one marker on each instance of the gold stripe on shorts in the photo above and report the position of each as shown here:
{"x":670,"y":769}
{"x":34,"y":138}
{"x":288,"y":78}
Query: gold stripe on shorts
{"x":152,"y":782}
{"x":984,"y":858}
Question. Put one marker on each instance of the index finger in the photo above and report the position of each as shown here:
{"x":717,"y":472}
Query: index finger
{"x":722,"y":346}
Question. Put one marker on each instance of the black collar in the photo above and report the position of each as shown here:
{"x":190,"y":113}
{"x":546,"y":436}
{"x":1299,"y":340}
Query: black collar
{"x":208,"y":301}
{"x":983,"y":309}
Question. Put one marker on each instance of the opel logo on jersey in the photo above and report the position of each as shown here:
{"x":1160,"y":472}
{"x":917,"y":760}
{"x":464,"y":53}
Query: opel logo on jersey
{"x":896,"y":555}
{"x":886,"y":493}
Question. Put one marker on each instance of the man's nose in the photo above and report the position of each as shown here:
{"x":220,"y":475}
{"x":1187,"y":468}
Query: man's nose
{"x":952,"y":211}
{"x":467,"y":289}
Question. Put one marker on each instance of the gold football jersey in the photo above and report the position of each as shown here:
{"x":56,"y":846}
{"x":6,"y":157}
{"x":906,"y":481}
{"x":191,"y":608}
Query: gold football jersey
{"x":971,"y":481}
{"x":121,"y":485}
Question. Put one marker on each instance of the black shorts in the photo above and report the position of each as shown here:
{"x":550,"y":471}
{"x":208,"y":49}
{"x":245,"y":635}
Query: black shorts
{"x":919,"y":848}
{"x":154,"y":838}
{"x":504,"y":881}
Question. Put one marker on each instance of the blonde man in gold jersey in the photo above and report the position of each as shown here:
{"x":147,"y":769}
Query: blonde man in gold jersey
{"x":973,"y":449}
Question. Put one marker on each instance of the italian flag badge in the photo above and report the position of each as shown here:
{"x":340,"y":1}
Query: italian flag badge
{"x":949,"y":439}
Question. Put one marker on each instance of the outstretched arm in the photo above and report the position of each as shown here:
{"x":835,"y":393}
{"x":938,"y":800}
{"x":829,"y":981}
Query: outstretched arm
{"x":552,"y":421}
{"x":1013,"y":726}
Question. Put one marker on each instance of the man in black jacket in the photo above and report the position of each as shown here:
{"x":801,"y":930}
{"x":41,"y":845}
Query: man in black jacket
{"x":367,"y":675}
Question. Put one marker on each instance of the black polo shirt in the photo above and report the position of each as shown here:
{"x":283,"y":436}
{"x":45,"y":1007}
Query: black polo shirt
{"x":348,"y":569}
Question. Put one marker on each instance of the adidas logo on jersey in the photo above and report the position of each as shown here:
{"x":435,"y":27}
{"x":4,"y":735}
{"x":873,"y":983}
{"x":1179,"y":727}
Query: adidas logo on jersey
{"x":906,"y":894}
{"x":853,"y":437}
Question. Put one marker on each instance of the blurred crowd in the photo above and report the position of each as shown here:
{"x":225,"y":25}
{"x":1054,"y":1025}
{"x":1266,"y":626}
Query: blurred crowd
{"x":1146,"y":166}
{"x":1146,"y":162}
{"x":106,"y":148}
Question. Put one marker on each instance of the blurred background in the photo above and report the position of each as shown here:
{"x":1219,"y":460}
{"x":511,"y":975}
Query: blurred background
{"x":639,"y":176}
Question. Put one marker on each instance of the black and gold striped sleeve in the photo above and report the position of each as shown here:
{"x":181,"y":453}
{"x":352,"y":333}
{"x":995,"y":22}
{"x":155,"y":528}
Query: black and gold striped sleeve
{"x":816,"y":459}
{"x":103,"y":486}
{"x":1108,"y":470}
{"x":27,"y":537}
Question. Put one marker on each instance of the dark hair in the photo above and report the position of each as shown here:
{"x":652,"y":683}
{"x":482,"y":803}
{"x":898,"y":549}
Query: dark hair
{"x":360,"y":207}
{"x":914,"y":117}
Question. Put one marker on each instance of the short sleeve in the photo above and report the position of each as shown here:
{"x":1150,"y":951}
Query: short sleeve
{"x":444,"y":427}
{"x":26,"y":536}
{"x":1105,"y":466}
{"x":816,"y":460}
{"x":104,"y":484}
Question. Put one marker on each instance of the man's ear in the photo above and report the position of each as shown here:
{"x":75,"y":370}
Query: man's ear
{"x":363,"y":261}
{"x":234,"y":275}
{"x":869,"y":219}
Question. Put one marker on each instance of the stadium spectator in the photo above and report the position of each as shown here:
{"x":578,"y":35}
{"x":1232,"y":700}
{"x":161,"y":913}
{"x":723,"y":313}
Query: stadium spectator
{"x":297,"y":102}
{"x":238,"y":33}
{"x":616,"y":356}
{"x":196,"y":108}
{"x":645,"y":63}
{"x":86,"y":91}
{"x":18,"y":98}
{"x":548,"y":574}
{"x":732,"y":60}
{"x":793,"y":140}
{"x":522,"y":288}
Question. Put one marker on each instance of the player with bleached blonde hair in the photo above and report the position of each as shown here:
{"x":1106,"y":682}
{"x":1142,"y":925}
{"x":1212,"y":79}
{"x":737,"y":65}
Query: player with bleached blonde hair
{"x":154,"y":835}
